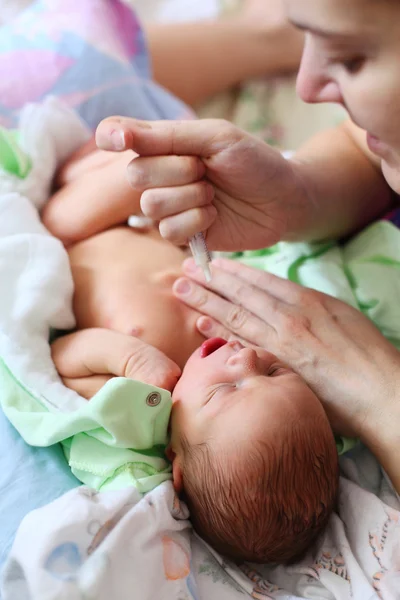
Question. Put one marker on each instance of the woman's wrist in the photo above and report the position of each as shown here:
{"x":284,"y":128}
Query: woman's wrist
{"x":380,"y":432}
{"x":298,"y":201}
{"x":381,"y":422}
{"x":386,"y":448}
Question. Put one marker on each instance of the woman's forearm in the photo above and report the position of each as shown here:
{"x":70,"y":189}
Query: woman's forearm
{"x":343,"y":189}
{"x":197,"y":60}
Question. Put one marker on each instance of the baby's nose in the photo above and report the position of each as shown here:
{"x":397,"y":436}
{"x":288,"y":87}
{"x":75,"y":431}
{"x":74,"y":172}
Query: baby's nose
{"x":246,"y":358}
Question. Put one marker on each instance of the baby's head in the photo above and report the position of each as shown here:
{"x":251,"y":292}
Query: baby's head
{"x":254,"y":453}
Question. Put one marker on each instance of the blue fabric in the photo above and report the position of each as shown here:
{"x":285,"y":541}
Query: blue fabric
{"x":91,"y":54}
{"x":29,"y":478}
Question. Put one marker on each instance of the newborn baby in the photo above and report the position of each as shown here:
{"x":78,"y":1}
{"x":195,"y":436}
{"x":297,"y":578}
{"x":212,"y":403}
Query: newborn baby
{"x":251,"y":448}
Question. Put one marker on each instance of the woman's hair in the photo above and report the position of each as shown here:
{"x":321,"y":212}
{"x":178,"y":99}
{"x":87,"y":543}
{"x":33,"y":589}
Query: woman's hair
{"x":265,"y":501}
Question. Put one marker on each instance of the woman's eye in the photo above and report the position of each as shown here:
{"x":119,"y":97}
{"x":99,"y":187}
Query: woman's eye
{"x":354,"y":64}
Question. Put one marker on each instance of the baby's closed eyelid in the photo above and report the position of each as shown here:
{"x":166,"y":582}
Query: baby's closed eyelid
{"x":278,"y":370}
{"x":222,"y":387}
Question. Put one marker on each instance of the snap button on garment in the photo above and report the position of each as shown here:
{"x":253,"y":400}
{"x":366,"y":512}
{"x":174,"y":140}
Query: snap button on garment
{"x":153,"y":399}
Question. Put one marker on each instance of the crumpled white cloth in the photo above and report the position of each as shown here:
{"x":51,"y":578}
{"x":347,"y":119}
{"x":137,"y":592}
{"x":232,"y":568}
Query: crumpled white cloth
{"x":119,"y":545}
{"x":35,"y":279}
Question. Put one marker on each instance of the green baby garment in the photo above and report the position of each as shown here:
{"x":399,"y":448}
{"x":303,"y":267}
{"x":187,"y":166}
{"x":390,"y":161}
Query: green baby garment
{"x":116,"y":439}
{"x":12,"y":158}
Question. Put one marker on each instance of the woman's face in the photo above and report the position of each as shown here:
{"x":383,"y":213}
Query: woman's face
{"x":352,"y":57}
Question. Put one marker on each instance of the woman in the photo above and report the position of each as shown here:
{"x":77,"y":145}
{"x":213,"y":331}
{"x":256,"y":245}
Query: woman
{"x":209,"y":176}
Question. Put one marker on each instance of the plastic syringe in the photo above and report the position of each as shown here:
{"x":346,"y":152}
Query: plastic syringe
{"x":201,"y":254}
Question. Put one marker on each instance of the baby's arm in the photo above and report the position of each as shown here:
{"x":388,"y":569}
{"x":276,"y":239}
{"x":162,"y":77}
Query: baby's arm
{"x":93,"y":194}
{"x":87,"y":359}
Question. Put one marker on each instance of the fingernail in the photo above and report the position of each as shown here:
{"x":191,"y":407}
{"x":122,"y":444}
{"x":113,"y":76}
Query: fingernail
{"x":189,"y":265}
{"x":204,"y":325}
{"x":142,"y":124}
{"x":236,"y":346}
{"x":117,"y":139}
{"x":182,"y":286}
{"x":218,"y":262}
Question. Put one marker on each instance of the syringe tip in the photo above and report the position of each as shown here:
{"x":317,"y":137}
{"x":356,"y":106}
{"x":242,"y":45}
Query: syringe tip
{"x":201,"y":254}
{"x":207,"y":271}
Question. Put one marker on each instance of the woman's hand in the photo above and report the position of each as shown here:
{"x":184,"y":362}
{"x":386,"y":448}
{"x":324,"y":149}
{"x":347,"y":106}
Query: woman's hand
{"x":208,"y":176}
{"x":352,"y":368}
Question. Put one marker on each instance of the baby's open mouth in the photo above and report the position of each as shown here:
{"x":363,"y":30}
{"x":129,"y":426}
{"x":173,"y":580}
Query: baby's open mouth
{"x":211,"y":345}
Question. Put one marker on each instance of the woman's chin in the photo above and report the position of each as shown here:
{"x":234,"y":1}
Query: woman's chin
{"x":391,"y":172}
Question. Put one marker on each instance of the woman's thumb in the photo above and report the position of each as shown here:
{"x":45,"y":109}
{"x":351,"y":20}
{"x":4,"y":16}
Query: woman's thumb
{"x":202,"y":138}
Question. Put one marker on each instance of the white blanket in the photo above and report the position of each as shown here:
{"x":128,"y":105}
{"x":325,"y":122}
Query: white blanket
{"x":120,"y":545}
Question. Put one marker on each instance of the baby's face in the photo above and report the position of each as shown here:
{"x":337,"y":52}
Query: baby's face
{"x":232,"y":393}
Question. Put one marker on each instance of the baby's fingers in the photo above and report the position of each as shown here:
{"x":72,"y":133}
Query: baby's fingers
{"x":165,"y":379}
{"x":149,"y":365}
{"x":86,"y":387}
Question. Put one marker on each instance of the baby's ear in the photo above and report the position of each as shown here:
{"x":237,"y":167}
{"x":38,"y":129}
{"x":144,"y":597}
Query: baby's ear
{"x":177,"y":476}
{"x":169,"y":453}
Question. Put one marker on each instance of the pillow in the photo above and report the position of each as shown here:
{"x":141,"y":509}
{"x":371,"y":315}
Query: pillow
{"x":91,"y":54}
{"x":29,"y":478}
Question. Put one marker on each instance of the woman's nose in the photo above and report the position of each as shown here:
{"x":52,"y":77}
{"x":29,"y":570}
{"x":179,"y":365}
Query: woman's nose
{"x":314,"y":83}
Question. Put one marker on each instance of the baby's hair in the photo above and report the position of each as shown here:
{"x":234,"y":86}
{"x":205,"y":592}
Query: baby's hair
{"x":265,"y":502}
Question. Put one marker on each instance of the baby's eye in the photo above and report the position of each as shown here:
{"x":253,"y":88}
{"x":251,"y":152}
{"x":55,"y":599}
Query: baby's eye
{"x":276,"y":370}
{"x":221,"y":388}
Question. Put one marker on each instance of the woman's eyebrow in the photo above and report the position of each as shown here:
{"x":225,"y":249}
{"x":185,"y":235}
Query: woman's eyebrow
{"x":326,"y":33}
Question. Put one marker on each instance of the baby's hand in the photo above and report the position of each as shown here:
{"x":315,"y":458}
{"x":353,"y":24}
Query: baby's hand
{"x":91,"y":195}
{"x":148,"y":364}
{"x":87,"y":359}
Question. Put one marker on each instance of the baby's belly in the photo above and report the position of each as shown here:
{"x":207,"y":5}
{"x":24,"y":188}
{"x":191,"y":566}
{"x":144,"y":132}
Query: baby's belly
{"x":123,"y":281}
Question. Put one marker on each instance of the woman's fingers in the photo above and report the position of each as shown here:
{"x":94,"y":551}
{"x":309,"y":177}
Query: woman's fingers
{"x":203,"y":138}
{"x":285,"y":290}
{"x":237,"y":320}
{"x":164,"y":171}
{"x":160,"y":203}
{"x":179,"y":228}
{"x":240,"y":292}
{"x":211,"y":328}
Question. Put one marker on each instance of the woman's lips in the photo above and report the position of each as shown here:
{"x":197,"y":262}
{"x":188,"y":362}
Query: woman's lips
{"x":210,"y":346}
{"x":375,"y":144}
